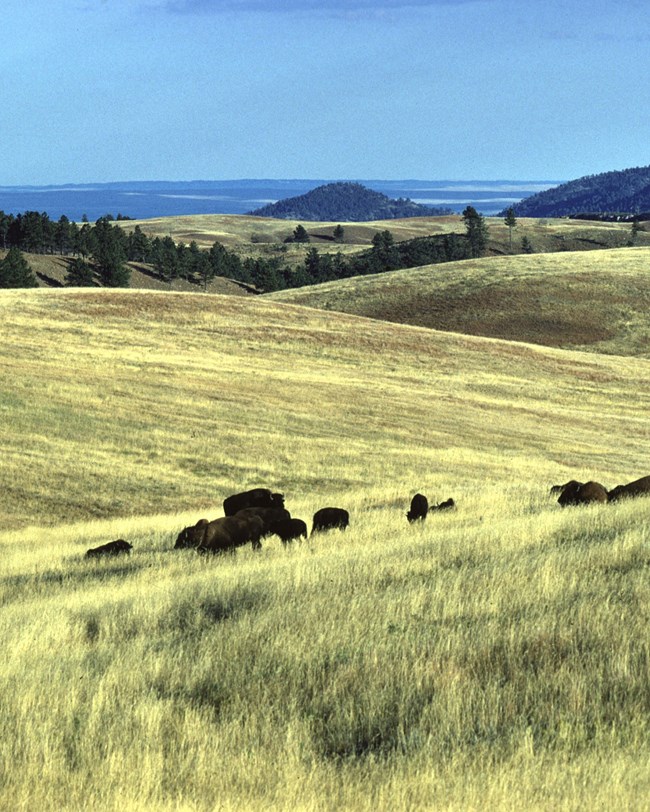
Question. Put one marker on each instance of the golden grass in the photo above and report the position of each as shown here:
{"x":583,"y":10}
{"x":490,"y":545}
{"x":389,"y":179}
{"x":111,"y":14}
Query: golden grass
{"x":595,"y":300}
{"x":493,"y":657}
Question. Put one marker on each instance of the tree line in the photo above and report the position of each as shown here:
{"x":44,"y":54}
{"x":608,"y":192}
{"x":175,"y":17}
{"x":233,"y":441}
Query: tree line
{"x":101,"y":252}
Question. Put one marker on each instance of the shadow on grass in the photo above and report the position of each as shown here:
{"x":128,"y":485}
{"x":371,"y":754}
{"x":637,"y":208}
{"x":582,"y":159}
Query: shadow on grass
{"x":15,"y":587}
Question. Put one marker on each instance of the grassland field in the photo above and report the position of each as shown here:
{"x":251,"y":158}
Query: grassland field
{"x":493,"y":657}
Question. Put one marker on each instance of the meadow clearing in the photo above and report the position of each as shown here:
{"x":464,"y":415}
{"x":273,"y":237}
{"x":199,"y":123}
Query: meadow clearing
{"x":495,"y":656}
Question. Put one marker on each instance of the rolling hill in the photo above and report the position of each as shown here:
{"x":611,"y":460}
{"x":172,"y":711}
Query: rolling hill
{"x":348,"y":202}
{"x":622,"y":192}
{"x":595,"y":301}
{"x":500,"y":647}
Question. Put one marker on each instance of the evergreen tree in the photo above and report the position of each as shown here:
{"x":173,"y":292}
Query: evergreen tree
{"x":110,"y":254}
{"x":15,"y":271}
{"x":526,"y":246}
{"x":138,"y":245}
{"x":5,"y":223}
{"x":80,"y":274}
{"x":300,"y":234}
{"x":477,"y":231}
{"x":511,"y":221}
{"x":339,"y":233}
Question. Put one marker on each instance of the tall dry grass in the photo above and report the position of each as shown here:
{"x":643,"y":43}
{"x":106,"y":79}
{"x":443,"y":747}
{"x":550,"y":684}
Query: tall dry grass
{"x":495,"y":656}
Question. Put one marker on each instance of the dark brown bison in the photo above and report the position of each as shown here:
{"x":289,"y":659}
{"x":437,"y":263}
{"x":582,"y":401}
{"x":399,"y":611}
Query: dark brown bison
{"x":583,"y":494}
{"x":268,"y":516}
{"x":258,"y":497}
{"x":289,"y":529}
{"x":419,"y":508}
{"x":229,"y":532}
{"x":640,"y":487}
{"x":330,"y":518}
{"x":572,"y":483}
{"x":117,"y":547}
{"x":448,"y":504}
{"x":190,"y":536}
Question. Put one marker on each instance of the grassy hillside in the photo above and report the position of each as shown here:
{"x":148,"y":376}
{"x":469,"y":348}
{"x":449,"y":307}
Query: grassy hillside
{"x":597,"y":301}
{"x":495,"y":656}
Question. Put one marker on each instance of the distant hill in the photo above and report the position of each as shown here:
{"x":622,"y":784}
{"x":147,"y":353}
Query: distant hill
{"x":624,"y":192}
{"x":350,"y":202}
{"x":587,"y":300}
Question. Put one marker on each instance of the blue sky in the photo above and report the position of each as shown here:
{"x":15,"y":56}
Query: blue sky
{"x":101,"y":90}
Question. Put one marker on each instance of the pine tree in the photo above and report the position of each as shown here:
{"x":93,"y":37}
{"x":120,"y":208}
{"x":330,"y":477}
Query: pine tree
{"x":15,"y":271}
{"x":300,"y":234}
{"x":511,"y":221}
{"x":110,"y":254}
{"x":477,"y":231}
{"x":80,"y":274}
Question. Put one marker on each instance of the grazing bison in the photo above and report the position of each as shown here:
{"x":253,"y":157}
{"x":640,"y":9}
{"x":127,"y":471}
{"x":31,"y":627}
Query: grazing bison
{"x":258,"y":497}
{"x":117,"y":547}
{"x":448,"y":504}
{"x":229,"y":532}
{"x":572,"y":483}
{"x":640,"y":487}
{"x":268,"y":517}
{"x":419,"y":508}
{"x":289,"y":529}
{"x":330,"y":518}
{"x":191,"y":536}
{"x":583,"y":494}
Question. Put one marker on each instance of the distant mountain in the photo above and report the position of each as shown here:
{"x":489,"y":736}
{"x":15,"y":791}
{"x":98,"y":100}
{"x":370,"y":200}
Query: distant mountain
{"x":624,"y":192}
{"x":349,"y":202}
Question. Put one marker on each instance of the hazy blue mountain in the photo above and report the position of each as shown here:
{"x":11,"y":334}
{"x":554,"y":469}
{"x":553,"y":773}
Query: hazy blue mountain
{"x":622,"y":192}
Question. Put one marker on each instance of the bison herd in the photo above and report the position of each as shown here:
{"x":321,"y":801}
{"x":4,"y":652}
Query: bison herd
{"x":259,"y":513}
{"x":585,"y":493}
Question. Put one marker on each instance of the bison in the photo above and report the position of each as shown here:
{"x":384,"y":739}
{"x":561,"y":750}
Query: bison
{"x":572,"y":483}
{"x":191,"y":536}
{"x":289,"y":529}
{"x":268,"y":516}
{"x":583,"y":494}
{"x":448,"y":504}
{"x":258,"y":497}
{"x":229,"y":532}
{"x":419,"y":508}
{"x":117,"y":547}
{"x":330,"y":518}
{"x":640,"y":487}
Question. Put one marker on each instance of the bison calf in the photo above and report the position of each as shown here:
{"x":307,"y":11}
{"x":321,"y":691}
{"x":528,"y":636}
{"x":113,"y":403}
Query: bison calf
{"x":289,"y":529}
{"x":330,"y":518}
{"x":110,"y":548}
{"x":448,"y":504}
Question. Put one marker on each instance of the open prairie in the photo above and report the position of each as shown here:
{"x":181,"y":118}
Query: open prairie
{"x":588,"y":300}
{"x":494,"y":656}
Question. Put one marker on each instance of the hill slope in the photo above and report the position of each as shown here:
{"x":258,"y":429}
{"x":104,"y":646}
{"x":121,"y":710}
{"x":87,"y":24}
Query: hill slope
{"x":135,"y":415}
{"x":350,"y":202}
{"x":500,"y":647}
{"x":597,"y":300}
{"x":625,"y":191}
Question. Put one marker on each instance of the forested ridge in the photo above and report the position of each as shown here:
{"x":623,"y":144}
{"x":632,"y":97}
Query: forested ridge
{"x":100,"y":252}
{"x":350,"y":202}
{"x":624,"y":192}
